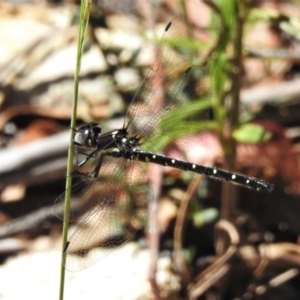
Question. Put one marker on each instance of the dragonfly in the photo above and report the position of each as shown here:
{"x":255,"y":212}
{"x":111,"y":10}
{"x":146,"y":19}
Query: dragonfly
{"x":112,"y":194}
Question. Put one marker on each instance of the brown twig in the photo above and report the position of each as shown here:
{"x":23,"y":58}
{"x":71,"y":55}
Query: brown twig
{"x":220,"y":267}
{"x":180,"y":228}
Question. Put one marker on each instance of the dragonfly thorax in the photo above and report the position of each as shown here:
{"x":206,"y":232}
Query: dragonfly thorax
{"x":123,"y":141}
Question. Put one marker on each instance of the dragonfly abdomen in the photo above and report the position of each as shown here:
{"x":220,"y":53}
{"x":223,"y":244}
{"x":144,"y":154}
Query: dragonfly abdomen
{"x":251,"y":183}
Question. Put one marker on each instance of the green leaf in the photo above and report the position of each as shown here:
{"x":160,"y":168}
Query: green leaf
{"x":205,"y":216}
{"x":251,"y":133}
{"x":180,"y":122}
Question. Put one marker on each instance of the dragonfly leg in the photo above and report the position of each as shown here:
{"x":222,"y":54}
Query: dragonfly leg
{"x":88,"y":156}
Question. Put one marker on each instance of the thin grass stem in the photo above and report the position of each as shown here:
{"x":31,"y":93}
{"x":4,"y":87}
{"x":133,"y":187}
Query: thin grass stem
{"x":84,"y":17}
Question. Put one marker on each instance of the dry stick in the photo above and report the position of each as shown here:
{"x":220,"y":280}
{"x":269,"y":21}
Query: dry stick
{"x":156,"y":172}
{"x":28,"y":223}
{"x":271,"y":93}
{"x":153,"y":232}
{"x":180,"y":229}
{"x":213,"y":277}
{"x":265,"y":254}
{"x":220,"y":267}
{"x":274,"y":282}
{"x":35,"y":162}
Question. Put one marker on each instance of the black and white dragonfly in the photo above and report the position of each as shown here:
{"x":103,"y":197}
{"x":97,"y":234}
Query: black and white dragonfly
{"x":112,"y":195}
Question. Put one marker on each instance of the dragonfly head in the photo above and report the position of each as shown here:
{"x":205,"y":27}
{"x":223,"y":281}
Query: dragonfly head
{"x":86,"y":135}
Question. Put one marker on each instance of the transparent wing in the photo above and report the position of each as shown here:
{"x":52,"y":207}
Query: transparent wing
{"x":155,"y":110}
{"x":84,"y":191}
{"x":81,"y":192}
{"x":112,"y":208}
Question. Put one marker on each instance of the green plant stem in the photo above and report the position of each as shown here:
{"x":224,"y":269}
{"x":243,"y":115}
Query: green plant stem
{"x":229,"y":197}
{"x":226,"y":82}
{"x":84,"y":16}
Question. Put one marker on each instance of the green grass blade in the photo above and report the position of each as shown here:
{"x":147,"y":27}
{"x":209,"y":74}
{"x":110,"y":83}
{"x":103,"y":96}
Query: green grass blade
{"x":84,"y":17}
